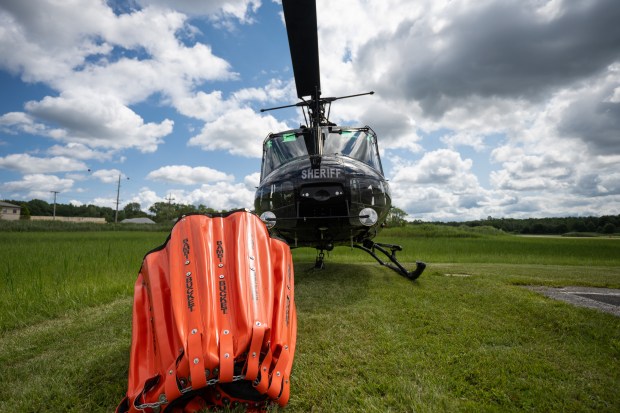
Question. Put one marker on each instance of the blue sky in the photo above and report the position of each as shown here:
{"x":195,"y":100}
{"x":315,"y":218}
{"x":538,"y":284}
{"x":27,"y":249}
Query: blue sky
{"x":483,"y":108}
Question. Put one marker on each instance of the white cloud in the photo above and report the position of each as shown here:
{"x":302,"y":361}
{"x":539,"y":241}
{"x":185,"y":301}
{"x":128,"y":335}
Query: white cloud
{"x":14,"y":122}
{"x":240,"y":132}
{"x":187,"y":175}
{"x":100,"y":121}
{"x":219,"y":196}
{"x":240,"y":10}
{"x":108,"y":176}
{"x":73,"y":54}
{"x":79,"y":151}
{"x":37,"y":186}
{"x":438,"y":186}
{"x":33,"y":165}
{"x":453,"y":140}
{"x":145,"y":197}
{"x":252,"y":181}
{"x":105,"y":202}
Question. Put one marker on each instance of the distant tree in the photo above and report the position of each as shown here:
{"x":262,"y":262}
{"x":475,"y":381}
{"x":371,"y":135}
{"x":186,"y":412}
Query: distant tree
{"x":163,"y":211}
{"x":133,"y":210}
{"x":182,"y":209}
{"x":107,"y":213}
{"x":39,"y":208}
{"x":609,"y":228}
{"x":579,"y":226}
{"x":203,"y":209}
{"x":396,"y":217}
{"x":25,"y":212}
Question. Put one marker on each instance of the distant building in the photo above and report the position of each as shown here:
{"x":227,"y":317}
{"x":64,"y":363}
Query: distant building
{"x":9,"y":212}
{"x":91,"y":220}
{"x":137,"y":221}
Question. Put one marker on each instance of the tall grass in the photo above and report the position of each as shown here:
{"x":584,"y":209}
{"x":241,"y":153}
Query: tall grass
{"x":57,"y":226}
{"x":442,"y":244}
{"x":43,"y":275}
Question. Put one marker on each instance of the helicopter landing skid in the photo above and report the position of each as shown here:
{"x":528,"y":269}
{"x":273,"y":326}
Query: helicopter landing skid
{"x":319,"y":264}
{"x":370,"y":247}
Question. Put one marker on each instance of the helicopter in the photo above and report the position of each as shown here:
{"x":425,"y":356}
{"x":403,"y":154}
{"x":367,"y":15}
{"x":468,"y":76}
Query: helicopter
{"x":322,"y":185}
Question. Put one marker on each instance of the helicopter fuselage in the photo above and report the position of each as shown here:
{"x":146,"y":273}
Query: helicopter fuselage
{"x":338,"y":198}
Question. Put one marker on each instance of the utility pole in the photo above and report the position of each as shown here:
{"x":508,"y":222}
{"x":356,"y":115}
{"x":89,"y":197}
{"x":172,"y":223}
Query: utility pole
{"x":169,"y":199}
{"x":118,"y":194}
{"x":54,"y":192}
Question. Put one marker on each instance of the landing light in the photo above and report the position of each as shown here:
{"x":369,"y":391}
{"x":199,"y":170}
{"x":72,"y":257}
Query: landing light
{"x":269,"y":218}
{"x":368,"y":217}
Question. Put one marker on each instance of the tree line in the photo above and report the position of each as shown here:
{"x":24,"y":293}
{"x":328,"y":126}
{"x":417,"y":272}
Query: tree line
{"x":168,"y":211}
{"x":158,"y":212}
{"x":607,"y":224}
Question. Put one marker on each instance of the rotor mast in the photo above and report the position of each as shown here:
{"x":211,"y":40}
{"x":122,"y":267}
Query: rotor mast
{"x":301,"y":27}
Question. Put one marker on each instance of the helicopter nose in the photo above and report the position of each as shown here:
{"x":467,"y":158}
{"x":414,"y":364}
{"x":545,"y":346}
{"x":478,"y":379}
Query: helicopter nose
{"x":322,"y":195}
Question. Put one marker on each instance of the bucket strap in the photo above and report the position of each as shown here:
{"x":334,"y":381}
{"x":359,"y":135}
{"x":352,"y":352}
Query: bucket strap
{"x":263,"y":384}
{"x":258,"y":334}
{"x":196,"y":360}
{"x":275,"y":388}
{"x":227,"y":356}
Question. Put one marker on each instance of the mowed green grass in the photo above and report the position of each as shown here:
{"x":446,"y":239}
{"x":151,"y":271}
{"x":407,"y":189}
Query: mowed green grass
{"x":464,"y":337}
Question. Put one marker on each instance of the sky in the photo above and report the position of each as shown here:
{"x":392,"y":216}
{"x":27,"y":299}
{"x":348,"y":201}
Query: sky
{"x":502,"y":108}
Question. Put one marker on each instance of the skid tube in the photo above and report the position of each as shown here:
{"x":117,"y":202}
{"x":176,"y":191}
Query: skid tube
{"x":370,"y":247}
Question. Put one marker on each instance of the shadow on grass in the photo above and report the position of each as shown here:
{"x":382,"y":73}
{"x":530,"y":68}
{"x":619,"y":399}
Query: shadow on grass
{"x":337,"y":285}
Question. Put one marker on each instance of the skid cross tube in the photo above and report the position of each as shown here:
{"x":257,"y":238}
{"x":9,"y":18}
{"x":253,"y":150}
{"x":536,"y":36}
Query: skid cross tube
{"x":370,"y":247}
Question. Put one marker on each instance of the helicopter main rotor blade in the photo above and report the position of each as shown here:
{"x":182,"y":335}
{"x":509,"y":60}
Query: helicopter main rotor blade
{"x":301,"y":27}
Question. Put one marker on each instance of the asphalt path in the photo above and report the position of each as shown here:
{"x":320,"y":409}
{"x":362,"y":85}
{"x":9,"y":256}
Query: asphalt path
{"x":603,"y":299}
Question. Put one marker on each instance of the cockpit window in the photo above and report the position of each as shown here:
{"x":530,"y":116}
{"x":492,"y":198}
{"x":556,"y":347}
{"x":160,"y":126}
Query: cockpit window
{"x":282,"y":148}
{"x":360,"y":144}
{"x":356,"y":143}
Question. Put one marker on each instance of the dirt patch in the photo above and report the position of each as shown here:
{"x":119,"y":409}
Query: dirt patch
{"x":603,"y":299}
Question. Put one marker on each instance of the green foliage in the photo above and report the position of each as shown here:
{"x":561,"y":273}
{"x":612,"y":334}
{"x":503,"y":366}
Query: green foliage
{"x":396,"y":217}
{"x":25,"y":212}
{"x":165,"y":211}
{"x":38,"y":207}
{"x":368,"y":339}
{"x":557,"y":226}
{"x":132,"y":210}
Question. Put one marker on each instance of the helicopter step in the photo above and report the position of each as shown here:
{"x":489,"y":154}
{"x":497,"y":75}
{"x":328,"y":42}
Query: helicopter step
{"x":370,"y":247}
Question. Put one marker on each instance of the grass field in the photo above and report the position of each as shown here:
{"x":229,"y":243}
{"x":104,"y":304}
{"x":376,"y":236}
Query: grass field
{"x":464,"y":337}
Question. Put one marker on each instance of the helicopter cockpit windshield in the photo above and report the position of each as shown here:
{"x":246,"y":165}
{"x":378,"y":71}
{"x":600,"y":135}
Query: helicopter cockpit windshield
{"x":355,"y":143}
{"x":281,"y":148}
{"x":358,"y":143}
